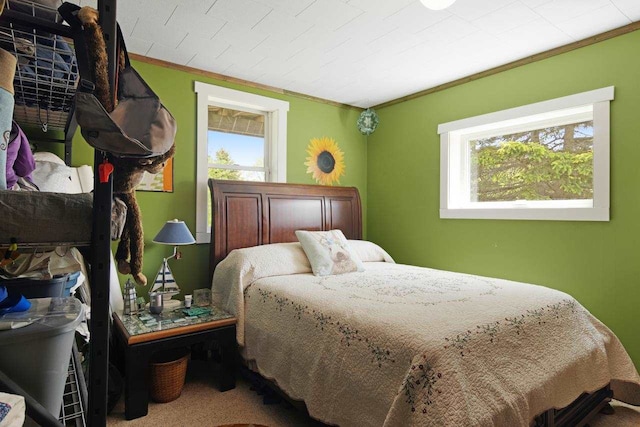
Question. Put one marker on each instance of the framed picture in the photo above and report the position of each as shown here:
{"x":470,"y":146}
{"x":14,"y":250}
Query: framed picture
{"x":162,"y":181}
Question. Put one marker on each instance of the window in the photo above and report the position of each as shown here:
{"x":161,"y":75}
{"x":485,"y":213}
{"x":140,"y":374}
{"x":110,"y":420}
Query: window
{"x":241,"y":136}
{"x":548,"y":160}
{"x":236,"y":146}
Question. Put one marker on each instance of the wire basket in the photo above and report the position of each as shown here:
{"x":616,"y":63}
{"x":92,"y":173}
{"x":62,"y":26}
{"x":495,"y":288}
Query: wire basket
{"x":46,"y":75}
{"x":168,"y":372}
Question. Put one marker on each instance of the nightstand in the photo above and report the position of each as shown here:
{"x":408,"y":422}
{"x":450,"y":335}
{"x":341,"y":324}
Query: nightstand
{"x":142,"y":335}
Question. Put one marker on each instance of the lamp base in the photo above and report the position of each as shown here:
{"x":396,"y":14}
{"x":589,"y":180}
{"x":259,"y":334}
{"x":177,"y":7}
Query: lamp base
{"x":167,"y":305}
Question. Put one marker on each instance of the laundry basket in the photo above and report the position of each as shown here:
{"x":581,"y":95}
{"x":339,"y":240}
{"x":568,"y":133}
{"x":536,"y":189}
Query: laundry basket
{"x":168,"y":370}
{"x":37,"y":356}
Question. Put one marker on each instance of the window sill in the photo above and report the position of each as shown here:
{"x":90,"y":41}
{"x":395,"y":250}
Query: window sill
{"x":203,"y":238}
{"x":549,"y":214}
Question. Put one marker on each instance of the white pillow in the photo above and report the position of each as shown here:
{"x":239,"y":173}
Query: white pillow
{"x":80,"y":178}
{"x":52,"y":177}
{"x":369,"y":251}
{"x":329,"y":252}
{"x":46,"y":156}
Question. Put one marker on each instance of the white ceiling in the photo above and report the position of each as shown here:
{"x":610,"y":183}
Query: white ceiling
{"x":358,"y":52}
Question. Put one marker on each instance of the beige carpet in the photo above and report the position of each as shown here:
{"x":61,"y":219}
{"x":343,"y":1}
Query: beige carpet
{"x":201,"y":404}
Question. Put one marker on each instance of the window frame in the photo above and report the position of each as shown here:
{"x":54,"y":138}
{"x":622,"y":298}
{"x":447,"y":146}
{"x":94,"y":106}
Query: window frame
{"x":275,"y":111}
{"x":454,"y":160}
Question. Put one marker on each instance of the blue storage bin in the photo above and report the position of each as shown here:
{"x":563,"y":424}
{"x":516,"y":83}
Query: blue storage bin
{"x":72,"y":279}
{"x":59,"y":286}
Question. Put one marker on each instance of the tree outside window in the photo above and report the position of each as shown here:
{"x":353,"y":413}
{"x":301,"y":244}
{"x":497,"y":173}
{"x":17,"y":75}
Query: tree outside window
{"x":551,"y":163}
{"x":223,"y":158}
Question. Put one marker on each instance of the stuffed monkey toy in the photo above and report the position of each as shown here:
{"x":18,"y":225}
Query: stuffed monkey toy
{"x":127,"y":175}
{"x":97,"y":52}
{"x":128,"y":172}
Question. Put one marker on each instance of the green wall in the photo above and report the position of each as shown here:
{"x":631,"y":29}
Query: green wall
{"x":306,"y":119}
{"x":596,"y":262}
{"x":397,"y":173}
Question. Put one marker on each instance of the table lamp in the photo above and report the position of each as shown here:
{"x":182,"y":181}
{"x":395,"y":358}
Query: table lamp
{"x":173,"y":233}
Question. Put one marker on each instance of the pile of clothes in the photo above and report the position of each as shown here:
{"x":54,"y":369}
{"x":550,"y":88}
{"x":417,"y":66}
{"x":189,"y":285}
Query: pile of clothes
{"x":47,"y":71}
{"x":47,"y":67}
{"x":20,"y":163}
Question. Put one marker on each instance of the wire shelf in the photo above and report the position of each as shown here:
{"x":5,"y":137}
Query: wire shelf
{"x":46,"y":73}
{"x":72,"y":412}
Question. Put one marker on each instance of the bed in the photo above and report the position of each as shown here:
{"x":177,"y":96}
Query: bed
{"x":400,"y":345}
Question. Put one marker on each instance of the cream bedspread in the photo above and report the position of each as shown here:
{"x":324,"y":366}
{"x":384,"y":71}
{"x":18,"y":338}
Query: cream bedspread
{"x":398,"y":345}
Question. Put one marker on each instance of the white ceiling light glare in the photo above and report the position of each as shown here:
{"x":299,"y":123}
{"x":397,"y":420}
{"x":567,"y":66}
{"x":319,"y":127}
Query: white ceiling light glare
{"x":437,"y":4}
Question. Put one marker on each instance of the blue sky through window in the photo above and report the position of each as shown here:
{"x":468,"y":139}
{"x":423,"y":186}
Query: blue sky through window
{"x":244,"y":150}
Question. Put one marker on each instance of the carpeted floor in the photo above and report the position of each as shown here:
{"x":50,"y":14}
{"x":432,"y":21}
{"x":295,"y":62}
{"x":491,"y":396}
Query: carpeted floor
{"x":201,"y":404}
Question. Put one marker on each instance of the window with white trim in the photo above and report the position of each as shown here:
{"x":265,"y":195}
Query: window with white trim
{"x":237,"y":144}
{"x":546,"y":161}
{"x":241,"y":136}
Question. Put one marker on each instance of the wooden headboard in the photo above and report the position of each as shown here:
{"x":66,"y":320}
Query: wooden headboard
{"x":253,"y":213}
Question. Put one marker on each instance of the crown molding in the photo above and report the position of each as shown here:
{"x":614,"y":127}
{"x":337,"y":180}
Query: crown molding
{"x":229,"y":79}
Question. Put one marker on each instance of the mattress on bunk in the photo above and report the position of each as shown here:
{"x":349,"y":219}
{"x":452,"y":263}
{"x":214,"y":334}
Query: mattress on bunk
{"x":41,"y":217}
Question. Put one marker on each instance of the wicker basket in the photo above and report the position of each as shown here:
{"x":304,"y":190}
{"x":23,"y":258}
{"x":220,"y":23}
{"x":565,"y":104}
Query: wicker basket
{"x":167,"y":376}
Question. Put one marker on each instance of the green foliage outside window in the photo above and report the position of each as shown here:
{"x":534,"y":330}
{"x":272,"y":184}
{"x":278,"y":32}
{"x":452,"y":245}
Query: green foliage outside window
{"x":223,"y":158}
{"x":554,"y":163}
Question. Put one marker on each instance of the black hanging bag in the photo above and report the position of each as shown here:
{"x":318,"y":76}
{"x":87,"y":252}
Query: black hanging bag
{"x":139,"y":125}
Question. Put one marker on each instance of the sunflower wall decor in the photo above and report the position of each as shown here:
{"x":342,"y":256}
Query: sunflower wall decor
{"x":325,"y":161}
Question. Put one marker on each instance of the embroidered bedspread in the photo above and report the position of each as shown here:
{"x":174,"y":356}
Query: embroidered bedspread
{"x":398,"y":345}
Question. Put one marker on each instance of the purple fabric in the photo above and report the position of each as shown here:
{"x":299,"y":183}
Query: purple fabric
{"x":20,"y":161}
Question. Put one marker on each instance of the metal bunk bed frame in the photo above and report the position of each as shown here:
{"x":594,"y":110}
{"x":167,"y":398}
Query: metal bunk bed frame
{"x":101,"y":248}
{"x":96,"y":415}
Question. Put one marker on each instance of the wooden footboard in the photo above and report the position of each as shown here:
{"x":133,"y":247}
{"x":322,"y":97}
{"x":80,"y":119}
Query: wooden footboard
{"x":579,"y":413}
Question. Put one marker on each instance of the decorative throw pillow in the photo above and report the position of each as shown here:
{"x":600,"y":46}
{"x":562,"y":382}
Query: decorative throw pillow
{"x":329,"y":252}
